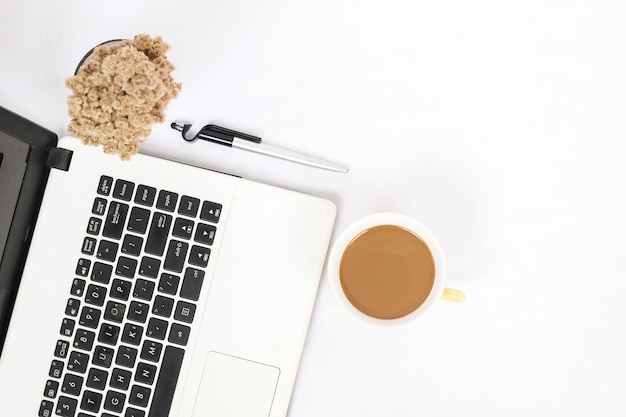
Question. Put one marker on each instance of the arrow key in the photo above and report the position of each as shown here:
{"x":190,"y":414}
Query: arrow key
{"x":211,"y":211}
{"x":205,"y":234}
{"x":183,"y":228}
{"x":199,"y":256}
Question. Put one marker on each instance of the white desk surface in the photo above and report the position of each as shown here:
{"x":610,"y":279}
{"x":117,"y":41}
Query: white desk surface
{"x":499,"y":125}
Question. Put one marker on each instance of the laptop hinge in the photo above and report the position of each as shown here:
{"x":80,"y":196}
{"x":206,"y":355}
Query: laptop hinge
{"x":59,"y":158}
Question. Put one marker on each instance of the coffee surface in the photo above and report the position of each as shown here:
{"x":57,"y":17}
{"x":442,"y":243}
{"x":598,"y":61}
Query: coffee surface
{"x":387,"y":272}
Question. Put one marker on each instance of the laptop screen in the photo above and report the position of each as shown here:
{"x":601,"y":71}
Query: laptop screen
{"x":24,"y":149}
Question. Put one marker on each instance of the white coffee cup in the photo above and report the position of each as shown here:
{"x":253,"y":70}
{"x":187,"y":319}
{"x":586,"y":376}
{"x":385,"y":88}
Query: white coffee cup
{"x":387,"y":268}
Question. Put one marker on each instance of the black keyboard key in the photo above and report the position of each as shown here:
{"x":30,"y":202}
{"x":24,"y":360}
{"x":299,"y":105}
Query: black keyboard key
{"x":89,"y":246}
{"x":114,"y":401}
{"x":126,"y":356}
{"x":192,"y":284}
{"x":139,"y":396}
{"x":115,"y":219}
{"x":45,"y":409}
{"x":183,"y":228}
{"x":107,"y":250}
{"x":211,"y":211}
{"x":97,"y":379}
{"x":143,"y":289}
{"x":185,"y":312}
{"x":67,"y":327}
{"x":99,"y":206}
{"x":132,"y":334}
{"x":179,"y":334}
{"x":132,"y":245}
{"x":123,"y":190}
{"x":126,"y":267}
{"x":91,"y":401}
{"x":62,"y":349}
{"x":114,"y":311}
{"x":89,"y":317}
{"x":145,"y":373}
{"x":56,"y":369}
{"x":138,"y":220}
{"x":167,"y":200}
{"x":205,"y":234}
{"x":51,"y":390}
{"x":78,"y":287}
{"x":159,"y":231}
{"x":133,"y":412}
{"x":149,"y":267}
{"x":72,"y":307}
{"x":94,"y":226}
{"x":166,"y":382}
{"x":95,"y":295}
{"x":199,"y":256}
{"x":176,"y":255}
{"x":157,"y":329}
{"x":84,"y":339}
{"x":109,"y":334}
{"x":120,"y":379}
{"x":105,"y":185}
{"x":168,"y":284}
{"x":82,"y":267}
{"x":78,"y":362}
{"x":72,"y":384}
{"x":162,"y":306}
{"x":145,"y":195}
{"x":101,"y":272}
{"x":66,"y":407}
{"x":138,"y":312}
{"x":120,"y":289}
{"x":103,"y":356}
{"x":189,"y":206}
{"x":151,"y":351}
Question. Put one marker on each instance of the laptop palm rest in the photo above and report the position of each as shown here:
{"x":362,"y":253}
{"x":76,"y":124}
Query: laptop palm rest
{"x":235,"y":387}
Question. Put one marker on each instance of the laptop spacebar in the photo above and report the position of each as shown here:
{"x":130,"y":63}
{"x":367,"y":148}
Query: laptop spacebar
{"x":166,"y":383}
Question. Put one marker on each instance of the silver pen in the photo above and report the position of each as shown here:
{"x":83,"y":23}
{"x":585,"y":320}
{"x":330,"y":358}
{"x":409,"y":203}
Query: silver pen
{"x":234,"y":139}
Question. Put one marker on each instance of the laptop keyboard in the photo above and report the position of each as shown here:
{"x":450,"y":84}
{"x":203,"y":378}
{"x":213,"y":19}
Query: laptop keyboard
{"x":132,"y":302}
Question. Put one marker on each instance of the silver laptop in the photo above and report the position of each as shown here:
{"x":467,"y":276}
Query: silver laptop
{"x":153,"y":289}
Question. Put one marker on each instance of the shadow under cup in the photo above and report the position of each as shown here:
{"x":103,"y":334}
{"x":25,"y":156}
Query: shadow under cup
{"x":387,"y":272}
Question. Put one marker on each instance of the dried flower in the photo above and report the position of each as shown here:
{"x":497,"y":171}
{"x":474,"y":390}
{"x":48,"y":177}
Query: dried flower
{"x":119,"y":92}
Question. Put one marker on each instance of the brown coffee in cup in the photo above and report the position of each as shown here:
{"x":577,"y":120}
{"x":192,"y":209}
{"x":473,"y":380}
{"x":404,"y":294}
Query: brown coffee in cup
{"x":387,"y":272}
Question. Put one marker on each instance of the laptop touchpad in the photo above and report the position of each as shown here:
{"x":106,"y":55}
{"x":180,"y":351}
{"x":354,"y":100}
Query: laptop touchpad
{"x":235,"y":387}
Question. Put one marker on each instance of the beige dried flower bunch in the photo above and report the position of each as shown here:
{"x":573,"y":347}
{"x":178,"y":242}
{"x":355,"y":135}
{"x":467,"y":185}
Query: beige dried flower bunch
{"x":119,"y":92}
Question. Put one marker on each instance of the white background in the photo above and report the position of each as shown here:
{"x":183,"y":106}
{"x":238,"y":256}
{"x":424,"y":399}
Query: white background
{"x":500,"y":125}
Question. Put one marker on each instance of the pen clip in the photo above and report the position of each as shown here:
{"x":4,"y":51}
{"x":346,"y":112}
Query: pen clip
{"x":214,"y":133}
{"x":231,"y":133}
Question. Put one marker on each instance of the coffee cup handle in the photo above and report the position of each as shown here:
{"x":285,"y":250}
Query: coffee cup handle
{"x":450,"y":294}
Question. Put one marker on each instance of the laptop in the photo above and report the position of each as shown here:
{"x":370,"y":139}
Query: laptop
{"x":148,"y":288}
